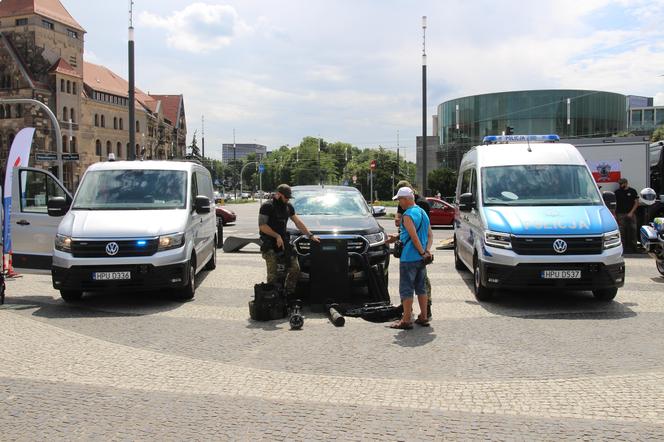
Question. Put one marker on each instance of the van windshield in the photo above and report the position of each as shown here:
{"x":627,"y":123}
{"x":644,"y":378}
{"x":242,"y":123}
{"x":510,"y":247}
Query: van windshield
{"x":132,"y":190}
{"x":538,"y":185}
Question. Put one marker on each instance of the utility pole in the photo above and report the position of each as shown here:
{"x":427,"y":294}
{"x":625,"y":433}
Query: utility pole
{"x":398,"y":165}
{"x":203,"y":138}
{"x":132,"y":97}
{"x":235,"y":164}
{"x":424,"y":106}
{"x":320,"y":170}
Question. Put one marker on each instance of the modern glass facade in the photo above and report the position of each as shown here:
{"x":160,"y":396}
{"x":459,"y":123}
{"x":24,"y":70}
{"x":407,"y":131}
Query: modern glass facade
{"x":463,"y":122}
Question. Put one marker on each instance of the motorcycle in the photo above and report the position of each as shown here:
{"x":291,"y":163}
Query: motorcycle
{"x":652,"y":239}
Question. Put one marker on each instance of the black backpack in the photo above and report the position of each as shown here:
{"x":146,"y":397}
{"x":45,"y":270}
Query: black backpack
{"x":269,"y":303}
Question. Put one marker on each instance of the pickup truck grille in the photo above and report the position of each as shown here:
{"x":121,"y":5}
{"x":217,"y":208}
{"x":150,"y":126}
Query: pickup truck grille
{"x":126,"y":248}
{"x":357,"y":245}
{"x":576,"y":245}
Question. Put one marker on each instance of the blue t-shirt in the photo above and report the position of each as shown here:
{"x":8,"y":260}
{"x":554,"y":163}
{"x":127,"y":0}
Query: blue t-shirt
{"x":421,"y":222}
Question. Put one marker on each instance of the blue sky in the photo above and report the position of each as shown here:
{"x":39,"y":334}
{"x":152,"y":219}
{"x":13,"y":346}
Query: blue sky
{"x":277,"y":71}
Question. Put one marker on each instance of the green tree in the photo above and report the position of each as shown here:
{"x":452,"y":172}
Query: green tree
{"x":195,"y":151}
{"x":443,"y":180}
{"x":658,"y":134}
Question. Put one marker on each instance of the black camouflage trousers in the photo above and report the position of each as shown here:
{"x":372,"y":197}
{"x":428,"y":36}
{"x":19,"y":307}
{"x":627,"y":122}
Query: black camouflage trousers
{"x":292,"y":269}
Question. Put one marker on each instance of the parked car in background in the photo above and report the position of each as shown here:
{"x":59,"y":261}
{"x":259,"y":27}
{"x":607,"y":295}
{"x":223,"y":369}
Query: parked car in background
{"x":378,"y":211}
{"x":225,"y":214}
{"x":442,"y":213}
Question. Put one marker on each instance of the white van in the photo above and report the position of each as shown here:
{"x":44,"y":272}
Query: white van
{"x":530,"y":216}
{"x":131,"y":225}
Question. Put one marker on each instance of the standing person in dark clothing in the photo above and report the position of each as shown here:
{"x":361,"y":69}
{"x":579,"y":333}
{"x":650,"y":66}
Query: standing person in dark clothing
{"x":627,"y":201}
{"x":272,"y":220}
{"x":424,"y":205}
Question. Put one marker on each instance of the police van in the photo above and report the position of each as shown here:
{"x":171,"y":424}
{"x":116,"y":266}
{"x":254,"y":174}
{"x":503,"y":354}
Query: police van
{"x":132,"y":225}
{"x":530,"y":216}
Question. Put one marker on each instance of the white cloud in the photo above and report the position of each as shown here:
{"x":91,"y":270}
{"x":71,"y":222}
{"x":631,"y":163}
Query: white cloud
{"x":199,"y":27}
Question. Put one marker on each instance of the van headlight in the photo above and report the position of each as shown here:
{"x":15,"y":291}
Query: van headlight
{"x":167,"y":242}
{"x":611,"y":239}
{"x":375,"y":239}
{"x":498,"y":239}
{"x":63,"y":243}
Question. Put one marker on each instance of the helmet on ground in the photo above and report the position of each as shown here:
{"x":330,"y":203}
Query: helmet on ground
{"x":648,"y":196}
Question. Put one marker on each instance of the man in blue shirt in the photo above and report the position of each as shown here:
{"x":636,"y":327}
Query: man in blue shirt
{"x":417,"y":238}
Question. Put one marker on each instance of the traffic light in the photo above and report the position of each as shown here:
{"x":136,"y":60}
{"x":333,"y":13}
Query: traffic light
{"x":509,"y":130}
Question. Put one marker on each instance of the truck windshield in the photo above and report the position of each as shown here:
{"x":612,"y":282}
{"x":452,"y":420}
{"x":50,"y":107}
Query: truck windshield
{"x":132,"y":190}
{"x":329,"y":203}
{"x":538,"y":185}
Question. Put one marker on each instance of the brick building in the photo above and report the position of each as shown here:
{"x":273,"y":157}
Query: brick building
{"x":41,"y":57}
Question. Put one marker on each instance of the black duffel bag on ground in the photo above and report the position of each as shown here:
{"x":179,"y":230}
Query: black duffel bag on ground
{"x":268,"y":304}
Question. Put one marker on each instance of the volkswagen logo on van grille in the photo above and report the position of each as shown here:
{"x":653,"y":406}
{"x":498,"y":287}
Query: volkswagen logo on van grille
{"x":559,"y":246}
{"x":112,"y":248}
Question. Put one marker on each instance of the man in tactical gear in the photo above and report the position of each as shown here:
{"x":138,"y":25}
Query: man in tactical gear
{"x":276,"y":248}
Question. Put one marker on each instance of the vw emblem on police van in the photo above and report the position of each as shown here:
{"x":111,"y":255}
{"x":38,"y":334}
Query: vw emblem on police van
{"x":560,"y":246}
{"x":112,"y":248}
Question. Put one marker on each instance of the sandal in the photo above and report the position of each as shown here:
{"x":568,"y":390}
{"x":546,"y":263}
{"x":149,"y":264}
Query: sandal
{"x":401,"y":325}
{"x":422,"y":322}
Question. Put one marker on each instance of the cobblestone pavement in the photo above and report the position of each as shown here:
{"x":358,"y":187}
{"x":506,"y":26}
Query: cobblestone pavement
{"x":528,"y":366}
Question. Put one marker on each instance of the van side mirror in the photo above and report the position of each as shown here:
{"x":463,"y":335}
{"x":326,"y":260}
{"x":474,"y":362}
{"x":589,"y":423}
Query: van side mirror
{"x":609,"y":200}
{"x":466,"y":202}
{"x":57,"y":206}
{"x":202,"y":204}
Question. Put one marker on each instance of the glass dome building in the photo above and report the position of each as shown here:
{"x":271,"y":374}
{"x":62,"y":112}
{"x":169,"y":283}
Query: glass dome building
{"x":463,"y":122}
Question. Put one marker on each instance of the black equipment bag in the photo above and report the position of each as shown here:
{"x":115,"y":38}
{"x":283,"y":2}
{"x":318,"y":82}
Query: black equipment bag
{"x":269,"y":303}
{"x":376,"y":312}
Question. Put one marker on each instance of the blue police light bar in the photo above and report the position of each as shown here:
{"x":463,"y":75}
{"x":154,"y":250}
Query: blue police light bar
{"x":491,"y":139}
{"x":141,"y":243}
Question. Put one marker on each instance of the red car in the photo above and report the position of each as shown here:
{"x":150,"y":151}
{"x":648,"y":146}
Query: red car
{"x":442,"y":213}
{"x":226,"y":214}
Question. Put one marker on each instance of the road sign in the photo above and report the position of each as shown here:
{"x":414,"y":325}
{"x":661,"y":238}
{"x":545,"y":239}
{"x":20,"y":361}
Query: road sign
{"x":261,"y":168}
{"x":345,"y":182}
{"x":373,"y":164}
{"x":46,"y":156}
{"x":70,"y":157}
{"x":354,"y":179}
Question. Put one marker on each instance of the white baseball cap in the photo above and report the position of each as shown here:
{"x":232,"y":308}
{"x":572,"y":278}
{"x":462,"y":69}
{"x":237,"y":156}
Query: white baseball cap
{"x":404,"y":192}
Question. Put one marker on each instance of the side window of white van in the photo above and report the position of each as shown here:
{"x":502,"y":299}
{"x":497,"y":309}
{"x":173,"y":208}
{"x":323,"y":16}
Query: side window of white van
{"x":36,"y":189}
{"x":204,"y":185}
{"x":194,"y":191}
{"x":466,"y":182}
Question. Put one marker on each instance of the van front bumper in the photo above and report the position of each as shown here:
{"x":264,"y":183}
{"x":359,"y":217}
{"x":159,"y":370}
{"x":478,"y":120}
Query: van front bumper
{"x":594,"y":276}
{"x":143,"y":277}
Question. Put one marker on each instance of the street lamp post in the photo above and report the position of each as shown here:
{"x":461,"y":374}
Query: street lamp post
{"x":54,"y":121}
{"x":132,"y":97}
{"x":424,"y":106}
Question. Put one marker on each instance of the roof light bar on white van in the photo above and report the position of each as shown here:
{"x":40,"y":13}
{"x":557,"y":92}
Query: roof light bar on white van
{"x":493,"y":139}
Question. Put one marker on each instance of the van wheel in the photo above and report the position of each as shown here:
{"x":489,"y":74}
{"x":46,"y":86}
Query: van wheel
{"x":212,"y":263}
{"x":605,"y":294}
{"x":458,"y":264}
{"x":71,"y":295}
{"x":482,"y":293}
{"x":188,"y":291}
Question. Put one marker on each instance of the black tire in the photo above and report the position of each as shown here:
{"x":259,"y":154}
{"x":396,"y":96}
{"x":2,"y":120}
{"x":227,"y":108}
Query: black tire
{"x":71,"y":295}
{"x":212,"y":263}
{"x":660,"y":267}
{"x":482,"y":293}
{"x":458,"y":264}
{"x":605,"y":295}
{"x":189,"y":291}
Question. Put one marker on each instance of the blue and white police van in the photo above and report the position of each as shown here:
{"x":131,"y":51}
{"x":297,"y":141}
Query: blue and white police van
{"x":530,"y":216}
